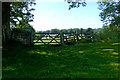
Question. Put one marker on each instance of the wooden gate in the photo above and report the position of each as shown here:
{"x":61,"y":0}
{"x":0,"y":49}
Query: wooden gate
{"x":56,"y":38}
{"x":47,"y":38}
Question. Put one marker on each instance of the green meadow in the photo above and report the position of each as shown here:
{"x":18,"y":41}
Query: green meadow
{"x":83,"y":60}
{"x":68,"y":43}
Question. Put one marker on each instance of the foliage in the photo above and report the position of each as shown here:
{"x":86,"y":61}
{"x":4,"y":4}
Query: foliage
{"x":55,"y":31}
{"x":76,"y":3}
{"x":25,"y":27}
{"x":107,"y":34}
{"x":21,"y":15}
{"x":110,"y":12}
{"x":71,"y":30}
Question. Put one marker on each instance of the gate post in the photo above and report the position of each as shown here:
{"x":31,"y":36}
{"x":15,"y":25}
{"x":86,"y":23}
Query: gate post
{"x":77,"y":35}
{"x":89,"y":35}
{"x":81,"y":33}
{"x":62,"y":38}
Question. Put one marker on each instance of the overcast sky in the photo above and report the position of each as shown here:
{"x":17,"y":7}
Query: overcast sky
{"x":50,"y":14}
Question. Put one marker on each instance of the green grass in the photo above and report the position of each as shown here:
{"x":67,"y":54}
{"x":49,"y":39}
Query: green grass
{"x":84,"y":60}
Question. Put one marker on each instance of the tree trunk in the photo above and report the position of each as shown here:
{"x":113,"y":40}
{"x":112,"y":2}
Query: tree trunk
{"x":6,"y":21}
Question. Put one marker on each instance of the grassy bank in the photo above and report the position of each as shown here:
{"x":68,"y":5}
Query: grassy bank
{"x":84,"y":60}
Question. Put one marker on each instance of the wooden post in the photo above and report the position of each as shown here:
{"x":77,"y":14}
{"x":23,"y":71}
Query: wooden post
{"x":77,"y":36}
{"x":119,"y":30}
{"x":92,"y":35}
{"x":62,"y":38}
{"x":66,"y":39}
{"x":89,"y":34}
{"x":81,"y":33}
{"x":74,"y":35}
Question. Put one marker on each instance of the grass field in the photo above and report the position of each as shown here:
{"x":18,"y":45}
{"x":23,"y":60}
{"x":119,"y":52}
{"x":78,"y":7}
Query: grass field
{"x":84,"y":60}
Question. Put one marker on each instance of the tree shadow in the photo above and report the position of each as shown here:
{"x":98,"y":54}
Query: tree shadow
{"x":78,"y":61}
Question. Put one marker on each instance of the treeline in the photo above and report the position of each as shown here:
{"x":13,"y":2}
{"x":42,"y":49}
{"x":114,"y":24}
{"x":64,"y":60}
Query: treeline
{"x":71,"y":30}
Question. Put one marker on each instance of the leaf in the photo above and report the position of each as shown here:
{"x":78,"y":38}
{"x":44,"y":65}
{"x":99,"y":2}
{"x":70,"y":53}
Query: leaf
{"x":84,"y":4}
{"x":30,"y":20}
{"x":31,"y":9}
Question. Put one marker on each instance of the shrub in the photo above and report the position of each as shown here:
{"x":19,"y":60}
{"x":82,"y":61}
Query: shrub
{"x":107,"y":34}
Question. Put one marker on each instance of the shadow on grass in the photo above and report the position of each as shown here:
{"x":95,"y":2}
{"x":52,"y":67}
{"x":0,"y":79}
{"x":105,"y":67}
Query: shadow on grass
{"x":88,"y":60}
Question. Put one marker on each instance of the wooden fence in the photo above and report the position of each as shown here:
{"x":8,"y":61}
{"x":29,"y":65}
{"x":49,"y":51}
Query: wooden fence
{"x":60,"y":38}
{"x":27,"y":37}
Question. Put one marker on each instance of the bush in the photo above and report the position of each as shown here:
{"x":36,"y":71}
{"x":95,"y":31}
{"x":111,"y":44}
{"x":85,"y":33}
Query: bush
{"x":107,"y":34}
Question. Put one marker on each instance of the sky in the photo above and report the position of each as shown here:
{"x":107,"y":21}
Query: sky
{"x":51,"y":14}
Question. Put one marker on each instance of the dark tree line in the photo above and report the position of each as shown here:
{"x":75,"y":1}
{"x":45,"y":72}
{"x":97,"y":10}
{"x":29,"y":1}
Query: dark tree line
{"x":71,"y":30}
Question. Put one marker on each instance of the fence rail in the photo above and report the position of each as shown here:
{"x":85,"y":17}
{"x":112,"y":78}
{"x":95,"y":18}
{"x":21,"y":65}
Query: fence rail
{"x":25,"y":36}
{"x":60,"y":38}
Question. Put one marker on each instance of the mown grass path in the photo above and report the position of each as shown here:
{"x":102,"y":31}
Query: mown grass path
{"x":85,"y":60}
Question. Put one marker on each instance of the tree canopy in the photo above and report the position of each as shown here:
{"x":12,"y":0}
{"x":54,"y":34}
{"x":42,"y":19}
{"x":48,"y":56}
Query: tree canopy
{"x":75,"y":3}
{"x":110,"y":12}
{"x":20,"y":14}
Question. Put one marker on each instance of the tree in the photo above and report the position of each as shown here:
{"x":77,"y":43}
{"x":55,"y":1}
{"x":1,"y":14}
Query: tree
{"x":76,"y":29}
{"x":76,"y":3}
{"x":15,"y":14}
{"x":48,"y":31}
{"x":64,"y":30}
{"x":70,"y":30}
{"x":110,"y":12}
{"x":55,"y":30}
{"x":20,"y":13}
{"x":5,"y":21}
